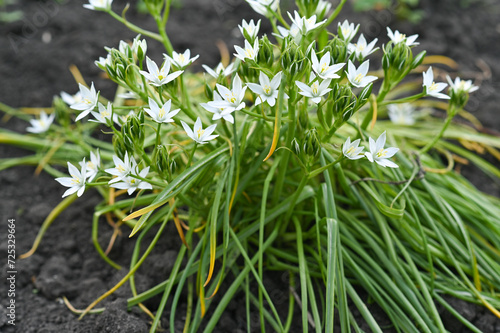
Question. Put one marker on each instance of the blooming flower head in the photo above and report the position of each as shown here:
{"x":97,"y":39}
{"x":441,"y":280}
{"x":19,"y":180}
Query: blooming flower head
{"x":361,"y":49}
{"x":122,"y":168}
{"x":41,"y":125}
{"x":131,"y":183}
{"x":305,"y":24}
{"x":99,"y":5}
{"x":323,"y":68}
{"x":232,"y":100}
{"x":397,"y":37}
{"x":460,"y":85}
{"x":92,"y":166}
{"x":432,"y":88}
{"x":139,"y":45}
{"x":250,"y":52}
{"x":351,"y":150}
{"x":88,"y":101}
{"x":267,"y":90}
{"x":220,"y":70}
{"x":219,"y":112}
{"x":159,"y":77}
{"x":347,"y":30}
{"x":315,"y":90}
{"x":322,"y":8}
{"x":104,"y":114}
{"x":76,"y":182}
{"x":71,"y":99}
{"x":401,"y":114}
{"x":181,"y":60}
{"x":103,"y":63}
{"x":358,"y":77}
{"x":161,"y":114}
{"x":380,"y":155}
{"x":251,"y":29}
{"x":198,"y":134}
{"x":294,"y":31}
{"x":261,"y":6}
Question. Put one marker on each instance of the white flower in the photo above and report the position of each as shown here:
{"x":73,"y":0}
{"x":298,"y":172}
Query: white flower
{"x":323,"y":68}
{"x":316,"y":90}
{"x":232,"y":100}
{"x":76,"y":182}
{"x":461,"y":85}
{"x":305,"y":24}
{"x":379,"y":154}
{"x":294,"y":31}
{"x":92,"y":166}
{"x":251,"y":28}
{"x":159,"y":77}
{"x":432,"y":88}
{"x":181,"y":60}
{"x":358,"y":77}
{"x":123,"y":118}
{"x":198,"y":134}
{"x":219,"y":112}
{"x":131,"y":183}
{"x":41,"y":125}
{"x":260,"y":6}
{"x":267,"y":90}
{"x":71,"y":99}
{"x":347,"y":30}
{"x":88,"y":101}
{"x":398,"y":37}
{"x":362,"y":50}
{"x":352,"y":150}
{"x":129,"y":94}
{"x":401,"y":114}
{"x":99,"y":4}
{"x":163,"y":114}
{"x":249,"y":52}
{"x":103,"y":63}
{"x":139,"y":44}
{"x":322,"y":8}
{"x":122,"y":168}
{"x":219,"y":70}
{"x":104,"y":114}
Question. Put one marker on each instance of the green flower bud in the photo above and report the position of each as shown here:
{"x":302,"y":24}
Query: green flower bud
{"x":266,"y":54}
{"x":312,"y":145}
{"x":209,"y":92}
{"x":338,"y":50}
{"x":119,"y":146}
{"x":161,"y":160}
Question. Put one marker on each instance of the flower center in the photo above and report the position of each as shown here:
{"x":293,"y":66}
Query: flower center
{"x":200,"y":133}
{"x":315,"y":88}
{"x":358,"y":78}
{"x":249,"y":53}
{"x":160,"y":77}
{"x":433,"y":86}
{"x":75,"y":180}
{"x":161,"y":113}
{"x":324,"y":67}
{"x":382,"y":152}
{"x":120,"y":168}
{"x":267,"y":89}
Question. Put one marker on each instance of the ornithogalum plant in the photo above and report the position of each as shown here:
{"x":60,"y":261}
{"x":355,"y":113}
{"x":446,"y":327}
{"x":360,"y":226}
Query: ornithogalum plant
{"x":301,"y":173}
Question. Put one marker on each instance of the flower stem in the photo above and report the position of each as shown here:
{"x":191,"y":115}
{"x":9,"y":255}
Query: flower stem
{"x":431,"y":144}
{"x":191,"y":155}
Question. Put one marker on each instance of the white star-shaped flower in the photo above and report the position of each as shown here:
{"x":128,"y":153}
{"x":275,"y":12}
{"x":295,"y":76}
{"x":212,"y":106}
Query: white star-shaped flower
{"x":461,"y":85}
{"x":88,"y":101}
{"x":250,"y":52}
{"x":305,"y":24}
{"x":267,"y":90}
{"x":198,"y":134}
{"x":159,"y":77}
{"x":432,"y":88}
{"x":397,"y":37}
{"x":232,"y":100}
{"x":122,"y":168}
{"x":181,"y":60}
{"x":220,"y":70}
{"x":92,"y":166}
{"x":104,"y":114}
{"x":358,"y":77}
{"x":99,"y":5}
{"x":380,"y":155}
{"x":71,"y":99}
{"x":261,"y":6}
{"x":347,"y":30}
{"x":250,"y":28}
{"x":76,"y":182}
{"x":161,"y":114}
{"x":401,"y":114}
{"x":361,"y":49}
{"x":219,"y":112}
{"x":131,"y":183}
{"x":351,"y":150}
{"x":323,"y":68}
{"x":315,"y":90}
{"x":41,"y":125}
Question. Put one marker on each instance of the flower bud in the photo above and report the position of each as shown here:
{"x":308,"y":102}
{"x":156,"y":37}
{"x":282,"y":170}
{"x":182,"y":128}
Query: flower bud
{"x":161,"y":160}
{"x":266,"y":55}
{"x":61,"y":110}
{"x":303,"y":121}
{"x":119,"y":146}
{"x":338,"y":50}
{"x":209,"y":92}
{"x":312,"y":145}
{"x":133,"y":132}
{"x":296,"y":147}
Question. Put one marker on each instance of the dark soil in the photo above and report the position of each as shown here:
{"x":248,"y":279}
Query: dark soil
{"x":34,"y":58}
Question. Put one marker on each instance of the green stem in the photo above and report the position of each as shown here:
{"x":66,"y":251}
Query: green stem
{"x":439,"y":136}
{"x":192,"y":154}
{"x":135,"y":28}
